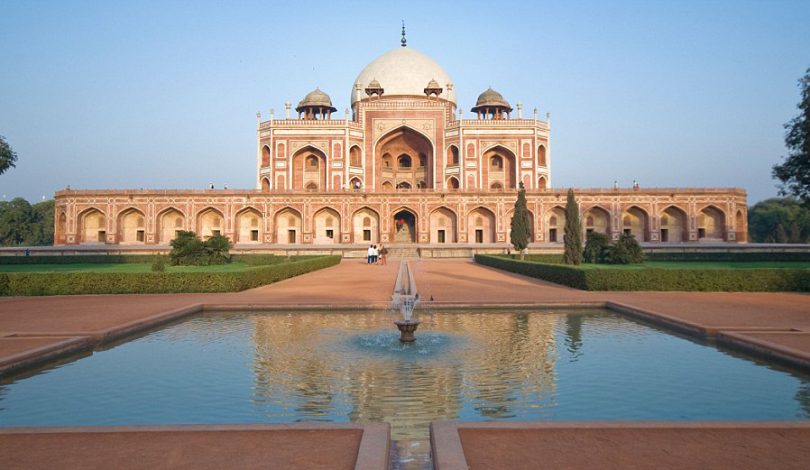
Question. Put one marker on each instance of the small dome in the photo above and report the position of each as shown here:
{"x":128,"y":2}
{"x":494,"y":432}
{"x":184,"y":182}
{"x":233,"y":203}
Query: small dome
{"x":491,"y":99}
{"x":374,"y":84}
{"x":433,"y":84}
{"x":316,"y":98}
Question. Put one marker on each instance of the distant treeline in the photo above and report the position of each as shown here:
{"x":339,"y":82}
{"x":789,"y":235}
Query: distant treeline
{"x":24,"y":224}
{"x":779,"y":220}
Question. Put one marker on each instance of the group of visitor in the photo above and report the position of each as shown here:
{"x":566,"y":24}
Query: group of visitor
{"x":377,"y":255}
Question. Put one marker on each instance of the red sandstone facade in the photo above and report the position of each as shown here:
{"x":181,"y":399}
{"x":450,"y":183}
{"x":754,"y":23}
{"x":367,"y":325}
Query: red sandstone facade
{"x":405,"y":167}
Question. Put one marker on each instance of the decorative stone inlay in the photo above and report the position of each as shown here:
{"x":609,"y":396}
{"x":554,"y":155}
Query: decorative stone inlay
{"x":382,"y":126}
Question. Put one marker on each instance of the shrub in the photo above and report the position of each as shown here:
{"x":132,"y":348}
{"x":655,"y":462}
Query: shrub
{"x":595,"y":246}
{"x":75,"y":283}
{"x":159,"y":265}
{"x":217,"y":249}
{"x":647,"y":279}
{"x":626,"y":250}
{"x":189,"y":250}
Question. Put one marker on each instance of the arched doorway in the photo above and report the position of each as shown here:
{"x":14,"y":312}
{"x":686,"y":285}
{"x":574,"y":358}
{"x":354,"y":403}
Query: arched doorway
{"x":93,"y":225}
{"x":711,"y":224}
{"x":131,"y":227}
{"x":596,"y":219}
{"x":481,"y":226}
{"x":309,"y":170}
{"x":288,"y":226}
{"x":555,"y":223}
{"x":499,"y":168}
{"x":248,"y":226}
{"x":442,"y":226}
{"x":327,"y":226}
{"x":170,"y":222}
{"x":210,"y":222}
{"x":636,"y":222}
{"x":404,"y":226}
{"x":366,"y":224}
{"x":673,"y":225}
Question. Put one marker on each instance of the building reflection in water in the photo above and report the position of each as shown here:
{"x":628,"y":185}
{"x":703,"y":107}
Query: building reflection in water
{"x":464,"y":365}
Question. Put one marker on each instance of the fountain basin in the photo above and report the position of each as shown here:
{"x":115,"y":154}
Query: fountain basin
{"x":407,"y":328}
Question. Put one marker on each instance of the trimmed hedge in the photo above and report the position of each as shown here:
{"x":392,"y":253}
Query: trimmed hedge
{"x":652,"y":279}
{"x":156,"y":282}
{"x":729,"y":256}
{"x":256,"y":260}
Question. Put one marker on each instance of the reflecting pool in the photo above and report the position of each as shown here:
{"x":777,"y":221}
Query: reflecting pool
{"x":346,"y":367}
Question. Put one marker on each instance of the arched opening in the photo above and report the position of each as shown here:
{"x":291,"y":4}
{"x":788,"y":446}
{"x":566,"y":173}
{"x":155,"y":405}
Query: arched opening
{"x":481,"y":226}
{"x":674,"y":227}
{"x":452,"y":156}
{"x":497,"y":186}
{"x":636,"y":222}
{"x":452,"y":183}
{"x":597,"y":219}
{"x":170,"y":222}
{"x":288,"y":226}
{"x":387,"y":186}
{"x":210,"y":222}
{"x":93,"y":225}
{"x":421,"y":185}
{"x":355,"y":183}
{"x":327,"y":226}
{"x":403,"y":185}
{"x":265,"y":156}
{"x":542,"y":183}
{"x":249,"y":226}
{"x":442,"y":226}
{"x":404,"y":226}
{"x":742,"y":226}
{"x":500,"y":168}
{"x":509,"y":216}
{"x":131,"y":227}
{"x":414,"y":161}
{"x":711,"y":224}
{"x":265,"y":184}
{"x":541,"y":155}
{"x":309,"y":169}
{"x":555,"y":223}
{"x":366,"y":225}
{"x":355,"y":158}
{"x":61,"y":229}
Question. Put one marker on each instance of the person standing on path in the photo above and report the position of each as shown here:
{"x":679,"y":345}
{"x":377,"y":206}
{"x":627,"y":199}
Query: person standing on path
{"x":370,"y":254}
{"x":383,"y":254}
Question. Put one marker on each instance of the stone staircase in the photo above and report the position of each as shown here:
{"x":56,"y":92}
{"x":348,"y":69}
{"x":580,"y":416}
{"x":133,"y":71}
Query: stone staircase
{"x":403,"y":251}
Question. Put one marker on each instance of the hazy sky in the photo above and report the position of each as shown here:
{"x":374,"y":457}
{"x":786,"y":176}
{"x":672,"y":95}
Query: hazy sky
{"x":164,"y":94}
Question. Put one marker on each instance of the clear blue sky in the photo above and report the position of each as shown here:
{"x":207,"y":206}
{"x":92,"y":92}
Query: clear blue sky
{"x":101,"y":94}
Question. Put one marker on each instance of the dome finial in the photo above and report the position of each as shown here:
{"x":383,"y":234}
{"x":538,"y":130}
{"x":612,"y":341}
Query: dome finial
{"x":403,"y":40}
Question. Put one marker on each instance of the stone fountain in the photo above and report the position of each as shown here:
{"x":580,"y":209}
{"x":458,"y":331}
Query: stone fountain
{"x":405,"y":298}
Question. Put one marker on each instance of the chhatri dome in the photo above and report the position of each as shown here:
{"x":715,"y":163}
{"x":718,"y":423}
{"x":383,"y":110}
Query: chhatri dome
{"x":403,"y":71}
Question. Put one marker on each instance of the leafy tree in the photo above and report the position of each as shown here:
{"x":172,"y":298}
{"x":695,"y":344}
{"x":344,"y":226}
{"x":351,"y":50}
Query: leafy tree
{"x":8,"y":157}
{"x":766,"y":217}
{"x":595,"y":245}
{"x":626,"y":250}
{"x":521,"y":223}
{"x":794,"y":172}
{"x":217,"y":249}
{"x":573,"y":231}
{"x":22,"y":224}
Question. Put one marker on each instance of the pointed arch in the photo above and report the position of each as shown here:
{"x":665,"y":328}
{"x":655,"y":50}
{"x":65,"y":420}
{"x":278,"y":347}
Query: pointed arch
{"x":597,"y":219}
{"x":541,"y":155}
{"x":60,"y":228}
{"x":289,"y":225}
{"x":170,"y":220}
{"x":326,"y":221}
{"x":452,"y":183}
{"x":500,"y":166}
{"x":366,"y":225}
{"x":555,"y":223}
{"x":636,"y":222}
{"x":266,"y":184}
{"x":355,"y":156}
{"x":542,"y":183}
{"x":210,"y":222}
{"x":741,"y":225}
{"x":265,"y":156}
{"x":92,"y":226}
{"x":405,"y":154}
{"x":481,"y":225}
{"x":443,"y":224}
{"x":674,"y":224}
{"x":249,"y":225}
{"x":131,"y":226}
{"x":309,"y":169}
{"x":405,"y":224}
{"x":452,"y":156}
{"x":711,"y":223}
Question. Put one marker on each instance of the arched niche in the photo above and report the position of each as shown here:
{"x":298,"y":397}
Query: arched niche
{"x":636,"y":222}
{"x":309,"y":169}
{"x":355,"y":156}
{"x":60,"y":230}
{"x":288,"y":224}
{"x":327,"y":226}
{"x":405,"y":224}
{"x":443,"y":226}
{"x":265,"y":156}
{"x":541,"y":155}
{"x":210,"y":222}
{"x":711,"y":223}
{"x":170,"y":222}
{"x":452,"y":156}
{"x":93,"y":226}
{"x":405,"y":155}
{"x":249,"y":226}
{"x":542,"y":183}
{"x":131,"y":227}
{"x":596,"y":219}
{"x":555,"y":224}
{"x":265,"y":185}
{"x":452,"y":183}
{"x":481,"y":225}
{"x":500,"y":167}
{"x":674,"y":226}
{"x":366,"y":226}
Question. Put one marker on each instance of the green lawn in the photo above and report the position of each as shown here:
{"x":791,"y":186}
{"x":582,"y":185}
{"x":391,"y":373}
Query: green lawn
{"x":704,"y":265}
{"x":119,"y":268}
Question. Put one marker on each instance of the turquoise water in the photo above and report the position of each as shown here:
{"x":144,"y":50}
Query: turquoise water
{"x":347,"y":367}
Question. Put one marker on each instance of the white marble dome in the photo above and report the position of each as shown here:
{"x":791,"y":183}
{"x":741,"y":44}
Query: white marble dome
{"x":403,"y":71}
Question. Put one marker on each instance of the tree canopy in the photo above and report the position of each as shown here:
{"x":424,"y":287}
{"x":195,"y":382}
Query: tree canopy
{"x":22,"y":224}
{"x":521,"y":223}
{"x":573,"y":231}
{"x":779,"y":220}
{"x":8,"y":157}
{"x":794,"y":172}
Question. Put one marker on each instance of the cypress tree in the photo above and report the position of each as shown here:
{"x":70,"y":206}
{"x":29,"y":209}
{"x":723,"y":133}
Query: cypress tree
{"x":573,"y":231}
{"x":521,"y":223}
